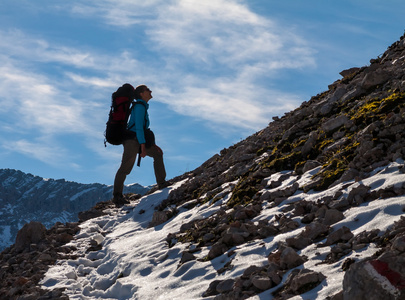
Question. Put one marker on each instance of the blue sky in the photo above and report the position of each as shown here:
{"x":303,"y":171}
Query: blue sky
{"x":219,"y":71}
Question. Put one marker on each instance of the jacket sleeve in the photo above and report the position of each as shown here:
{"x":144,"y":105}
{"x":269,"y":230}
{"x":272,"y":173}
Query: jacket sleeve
{"x":138,"y":113}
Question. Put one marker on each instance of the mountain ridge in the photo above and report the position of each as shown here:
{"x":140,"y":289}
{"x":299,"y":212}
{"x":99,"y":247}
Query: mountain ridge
{"x":26,"y":197}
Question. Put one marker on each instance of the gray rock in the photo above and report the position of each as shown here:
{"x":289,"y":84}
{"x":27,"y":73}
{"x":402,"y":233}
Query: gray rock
{"x":342,"y":234}
{"x":333,"y":216}
{"x":304,"y":279}
{"x":225,"y":286}
{"x":336,"y":122}
{"x":290,"y":259}
{"x":31,"y":233}
{"x":216,"y":250}
{"x":370,"y":280}
{"x":314,"y":230}
{"x":262,"y":283}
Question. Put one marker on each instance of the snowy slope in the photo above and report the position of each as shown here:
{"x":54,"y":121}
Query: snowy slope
{"x":135,"y":261}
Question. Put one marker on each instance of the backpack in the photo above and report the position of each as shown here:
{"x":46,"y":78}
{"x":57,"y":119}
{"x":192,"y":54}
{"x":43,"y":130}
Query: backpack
{"x":116,"y":126}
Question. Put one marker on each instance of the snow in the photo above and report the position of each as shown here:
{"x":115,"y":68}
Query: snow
{"x":63,"y":217}
{"x":135,"y":261}
{"x":5,"y":236}
{"x":78,"y":195}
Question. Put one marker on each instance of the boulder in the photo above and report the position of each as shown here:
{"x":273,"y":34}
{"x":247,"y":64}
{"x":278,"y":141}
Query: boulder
{"x":373,"y":280}
{"x":290,"y":259}
{"x":305,"y":280}
{"x":262,"y":283}
{"x":342,"y":234}
{"x":31,"y":233}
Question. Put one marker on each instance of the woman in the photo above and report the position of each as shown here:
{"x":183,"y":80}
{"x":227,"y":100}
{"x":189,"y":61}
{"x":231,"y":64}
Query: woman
{"x":136,"y":142}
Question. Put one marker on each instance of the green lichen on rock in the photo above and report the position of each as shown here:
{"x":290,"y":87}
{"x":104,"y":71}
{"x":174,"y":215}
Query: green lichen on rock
{"x":336,"y":164}
{"x":244,"y":191}
{"x":377,"y":109}
{"x":331,"y":172}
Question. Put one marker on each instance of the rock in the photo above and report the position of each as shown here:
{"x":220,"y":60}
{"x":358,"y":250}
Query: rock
{"x":45,"y":257}
{"x":208,"y":237}
{"x":310,"y":143}
{"x":262,"y":283}
{"x":314,"y":230}
{"x":298,"y":242}
{"x":358,"y":194}
{"x":25,"y":266}
{"x":306,"y":280}
{"x":399,"y":243}
{"x":159,"y":217}
{"x":31,"y":233}
{"x":310,"y":164}
{"x":350,"y":71}
{"x":308,"y":218}
{"x":240,"y":215}
{"x":338,"y":296}
{"x":373,"y":279}
{"x":216,"y":250}
{"x":187,"y":256}
{"x":225,"y":286}
{"x":212,"y":289}
{"x":372,"y":79}
{"x":336,"y":122}
{"x":290,"y":259}
{"x":342,"y":234}
{"x":332,"y":216}
{"x":235,"y":236}
{"x":267,"y":231}
{"x":250,"y":270}
{"x":276,"y":276}
{"x":89,"y":214}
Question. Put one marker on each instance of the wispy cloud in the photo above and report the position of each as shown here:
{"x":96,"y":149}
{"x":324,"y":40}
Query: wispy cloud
{"x":55,"y":156}
{"x":225,"y":34}
{"x":232,"y":104}
{"x":231,"y":49}
{"x":209,"y":60}
{"x":122,"y":13}
{"x":231,"y":46}
{"x":38,"y":104}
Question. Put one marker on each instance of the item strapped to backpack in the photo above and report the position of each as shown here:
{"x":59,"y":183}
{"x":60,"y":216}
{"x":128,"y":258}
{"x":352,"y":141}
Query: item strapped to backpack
{"x":119,"y":113}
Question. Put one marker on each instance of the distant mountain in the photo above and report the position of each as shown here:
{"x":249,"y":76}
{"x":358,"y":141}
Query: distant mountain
{"x":25,"y":197}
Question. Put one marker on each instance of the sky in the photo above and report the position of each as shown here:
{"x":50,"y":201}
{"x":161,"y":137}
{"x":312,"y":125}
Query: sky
{"x":219,"y":71}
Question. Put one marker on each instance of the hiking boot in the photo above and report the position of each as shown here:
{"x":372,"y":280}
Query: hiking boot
{"x":157,"y":187}
{"x":163,"y":185}
{"x":119,"y":200}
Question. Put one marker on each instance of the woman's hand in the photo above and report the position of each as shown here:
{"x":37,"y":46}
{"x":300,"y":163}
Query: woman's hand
{"x":143,"y":150}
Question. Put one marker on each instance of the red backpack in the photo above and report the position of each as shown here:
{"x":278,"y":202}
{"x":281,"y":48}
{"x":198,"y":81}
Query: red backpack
{"x":119,"y":113}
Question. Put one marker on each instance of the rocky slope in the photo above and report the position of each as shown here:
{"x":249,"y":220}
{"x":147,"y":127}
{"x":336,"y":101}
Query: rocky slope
{"x":345,"y":133}
{"x":25,"y":198}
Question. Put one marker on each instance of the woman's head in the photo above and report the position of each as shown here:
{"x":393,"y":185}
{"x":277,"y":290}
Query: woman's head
{"x":143,"y":92}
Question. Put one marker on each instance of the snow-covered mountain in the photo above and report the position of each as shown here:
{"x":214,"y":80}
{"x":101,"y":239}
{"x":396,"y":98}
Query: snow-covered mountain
{"x":200,"y":254}
{"x":310,"y":207}
{"x":25,"y":197}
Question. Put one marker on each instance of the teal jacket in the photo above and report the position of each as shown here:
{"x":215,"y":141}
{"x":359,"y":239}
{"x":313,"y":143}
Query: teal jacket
{"x":139,"y":120}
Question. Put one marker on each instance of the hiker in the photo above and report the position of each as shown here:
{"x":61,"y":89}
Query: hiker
{"x":137,"y":141}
